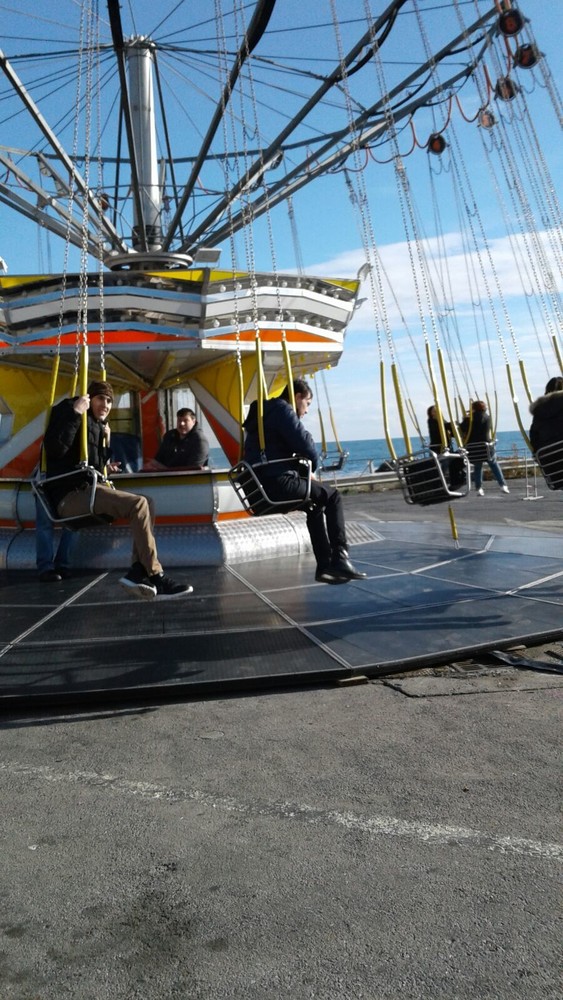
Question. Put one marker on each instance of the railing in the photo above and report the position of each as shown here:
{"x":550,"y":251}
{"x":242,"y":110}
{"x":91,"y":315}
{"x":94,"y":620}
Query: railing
{"x":515,"y":464}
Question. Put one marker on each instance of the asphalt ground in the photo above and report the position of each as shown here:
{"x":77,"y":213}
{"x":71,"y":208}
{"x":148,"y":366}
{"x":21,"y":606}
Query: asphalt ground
{"x":393,"y":839}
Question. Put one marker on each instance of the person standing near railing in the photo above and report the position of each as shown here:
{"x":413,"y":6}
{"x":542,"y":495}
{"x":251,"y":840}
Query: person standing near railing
{"x":477,"y":429}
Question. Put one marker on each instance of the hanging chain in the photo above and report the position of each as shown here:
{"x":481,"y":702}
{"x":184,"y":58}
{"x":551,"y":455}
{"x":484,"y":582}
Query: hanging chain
{"x":71,"y":191}
{"x":82,"y":325}
{"x":99,"y":235}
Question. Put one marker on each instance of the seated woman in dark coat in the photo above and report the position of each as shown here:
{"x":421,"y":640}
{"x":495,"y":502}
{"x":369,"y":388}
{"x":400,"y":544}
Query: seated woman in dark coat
{"x":547,"y":414}
{"x":454,"y":466}
{"x":547,"y":429}
{"x":434,"y":436}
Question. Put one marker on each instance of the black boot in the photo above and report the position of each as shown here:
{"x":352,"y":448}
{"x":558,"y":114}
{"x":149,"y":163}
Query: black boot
{"x":326,"y":574}
{"x":341,"y":566}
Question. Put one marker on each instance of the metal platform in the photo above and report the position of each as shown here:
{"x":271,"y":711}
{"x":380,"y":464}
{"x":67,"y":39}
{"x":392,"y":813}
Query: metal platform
{"x":254,"y":623}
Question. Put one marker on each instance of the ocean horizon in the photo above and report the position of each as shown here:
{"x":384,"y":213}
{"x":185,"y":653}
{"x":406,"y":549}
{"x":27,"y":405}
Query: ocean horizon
{"x":368,"y":453}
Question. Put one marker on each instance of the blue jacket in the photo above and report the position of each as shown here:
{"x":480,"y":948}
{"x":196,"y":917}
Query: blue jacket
{"x":283,"y":432}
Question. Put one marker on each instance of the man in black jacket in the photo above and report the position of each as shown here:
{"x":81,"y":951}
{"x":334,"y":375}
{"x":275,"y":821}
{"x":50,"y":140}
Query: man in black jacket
{"x":285,"y":436}
{"x":185,"y":447}
{"x":62,"y":440}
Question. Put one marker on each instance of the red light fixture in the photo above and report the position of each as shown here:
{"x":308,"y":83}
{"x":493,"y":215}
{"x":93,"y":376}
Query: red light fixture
{"x":526,"y":56}
{"x":510,"y":22}
{"x":436,"y":144}
{"x":487,"y":119}
{"x":506,"y":89}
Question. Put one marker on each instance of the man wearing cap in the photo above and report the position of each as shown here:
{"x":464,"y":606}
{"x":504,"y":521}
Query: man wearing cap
{"x":62,"y":439}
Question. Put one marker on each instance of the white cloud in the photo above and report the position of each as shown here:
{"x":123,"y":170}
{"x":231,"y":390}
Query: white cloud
{"x":485,"y":328}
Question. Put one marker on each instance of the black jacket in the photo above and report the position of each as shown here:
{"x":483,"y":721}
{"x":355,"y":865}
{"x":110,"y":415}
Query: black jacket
{"x":176,"y":452}
{"x":480,"y":428}
{"x":284,"y":435}
{"x":62,"y":444}
{"x":547,"y":422}
{"x":434,"y":435}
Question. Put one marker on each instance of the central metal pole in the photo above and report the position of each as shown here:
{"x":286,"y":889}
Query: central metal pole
{"x":140,"y":56}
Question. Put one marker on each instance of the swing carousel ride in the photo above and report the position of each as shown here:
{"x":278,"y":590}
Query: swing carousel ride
{"x":167,"y":164}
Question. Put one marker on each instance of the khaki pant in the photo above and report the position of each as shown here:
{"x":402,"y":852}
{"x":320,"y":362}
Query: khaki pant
{"x":133,"y":507}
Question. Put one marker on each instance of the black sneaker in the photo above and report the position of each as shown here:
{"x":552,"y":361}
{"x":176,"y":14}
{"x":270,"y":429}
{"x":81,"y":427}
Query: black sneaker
{"x":137,"y":582}
{"x":50,"y":576}
{"x":167,"y":589}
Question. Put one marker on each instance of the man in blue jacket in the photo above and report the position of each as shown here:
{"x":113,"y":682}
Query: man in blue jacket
{"x":285,"y":436}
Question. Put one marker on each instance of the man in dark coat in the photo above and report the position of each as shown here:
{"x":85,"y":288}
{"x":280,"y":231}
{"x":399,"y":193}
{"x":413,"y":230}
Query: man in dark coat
{"x":285,"y":436}
{"x":62,"y":444}
{"x":184,"y":447}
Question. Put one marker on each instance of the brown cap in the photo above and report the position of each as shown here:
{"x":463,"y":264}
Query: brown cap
{"x":100,"y":389}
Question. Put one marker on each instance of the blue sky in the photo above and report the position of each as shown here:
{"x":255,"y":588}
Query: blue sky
{"x":494,"y":272}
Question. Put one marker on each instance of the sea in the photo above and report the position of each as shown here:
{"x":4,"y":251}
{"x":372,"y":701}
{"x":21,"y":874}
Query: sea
{"x":365,"y":456}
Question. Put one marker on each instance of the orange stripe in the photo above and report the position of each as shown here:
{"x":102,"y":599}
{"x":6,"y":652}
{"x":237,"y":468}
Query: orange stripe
{"x":110,"y":337}
{"x":274,"y":336}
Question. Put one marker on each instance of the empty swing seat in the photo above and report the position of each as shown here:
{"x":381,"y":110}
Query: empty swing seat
{"x":252,"y":491}
{"x":550,"y":461}
{"x":334,"y":464}
{"x":422,"y":480}
{"x":83,"y":479}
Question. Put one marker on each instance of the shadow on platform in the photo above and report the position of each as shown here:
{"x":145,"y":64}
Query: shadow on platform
{"x":267,"y":623}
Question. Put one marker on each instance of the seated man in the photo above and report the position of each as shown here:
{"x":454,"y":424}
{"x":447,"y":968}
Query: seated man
{"x":62,"y":449}
{"x":285,"y":436}
{"x":186,"y":447}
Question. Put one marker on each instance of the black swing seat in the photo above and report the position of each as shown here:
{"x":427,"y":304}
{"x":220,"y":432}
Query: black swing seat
{"x":480,"y":451}
{"x":550,"y":461}
{"x":85,"y":479}
{"x":252,"y":492}
{"x":422,"y":480}
{"x":329,"y":464}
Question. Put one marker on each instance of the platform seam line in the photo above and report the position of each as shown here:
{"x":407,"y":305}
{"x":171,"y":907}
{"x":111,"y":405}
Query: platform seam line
{"x":447,"y":562}
{"x":23,"y":635}
{"x":537,"y":583}
{"x":300,"y":628}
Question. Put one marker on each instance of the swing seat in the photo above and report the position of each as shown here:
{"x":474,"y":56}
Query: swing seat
{"x":550,"y":461}
{"x":253,"y":494}
{"x":422,"y":480}
{"x":84,"y":479}
{"x":329,"y":464}
{"x":480,"y":451}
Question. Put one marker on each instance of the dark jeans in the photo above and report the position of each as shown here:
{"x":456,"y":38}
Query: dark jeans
{"x":52,"y":546}
{"x":325,"y":516}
